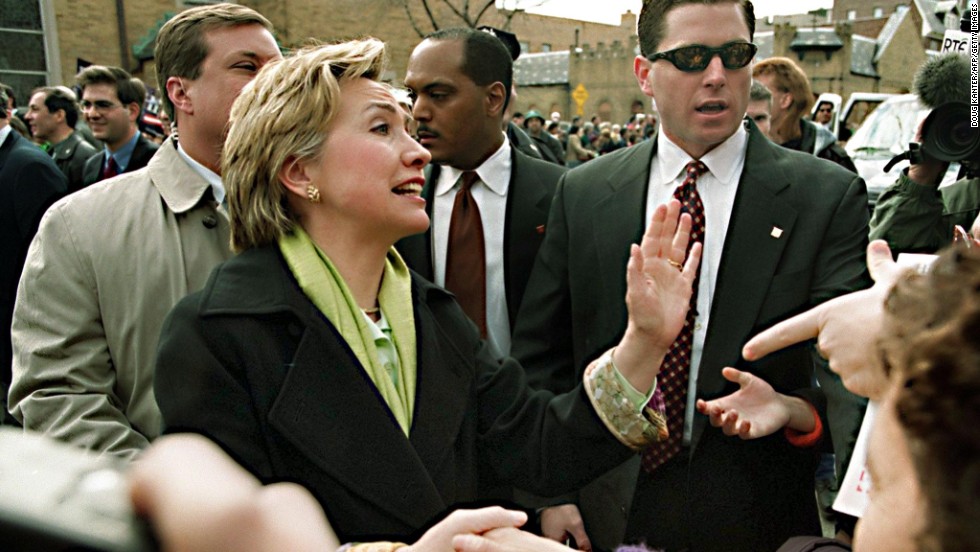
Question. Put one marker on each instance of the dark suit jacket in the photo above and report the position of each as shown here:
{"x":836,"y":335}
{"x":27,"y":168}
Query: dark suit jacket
{"x":250,"y":362}
{"x":142,"y":153}
{"x":547,"y":141}
{"x":532,"y":185}
{"x":29,"y":183}
{"x":735,"y":495}
{"x":70,"y":155}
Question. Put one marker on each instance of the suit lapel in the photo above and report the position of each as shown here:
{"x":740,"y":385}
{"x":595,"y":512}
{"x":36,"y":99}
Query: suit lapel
{"x":330,"y":410}
{"x":441,"y":397}
{"x":617,"y":219}
{"x":7,"y":146}
{"x":527,"y":202}
{"x":761,"y":225}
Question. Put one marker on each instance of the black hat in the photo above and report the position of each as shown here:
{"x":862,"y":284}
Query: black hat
{"x":509,"y":39}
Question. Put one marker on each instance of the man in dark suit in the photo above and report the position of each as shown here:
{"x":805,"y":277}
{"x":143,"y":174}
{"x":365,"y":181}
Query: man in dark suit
{"x":29,"y":183}
{"x":112,"y":101}
{"x":461,"y":81}
{"x":782,"y":231}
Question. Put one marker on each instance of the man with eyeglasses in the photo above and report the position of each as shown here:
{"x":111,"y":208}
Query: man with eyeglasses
{"x":111,"y":102}
{"x":109,"y":262}
{"x":775,"y":243}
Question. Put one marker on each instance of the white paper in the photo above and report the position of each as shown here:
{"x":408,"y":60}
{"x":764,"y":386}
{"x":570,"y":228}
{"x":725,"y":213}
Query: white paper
{"x":917,"y":261}
{"x":852,"y":498}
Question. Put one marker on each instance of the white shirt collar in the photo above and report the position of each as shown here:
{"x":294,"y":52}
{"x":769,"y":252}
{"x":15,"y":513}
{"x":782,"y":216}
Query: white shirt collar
{"x":494,"y":172}
{"x":4,"y":132}
{"x":722,"y":161}
{"x":211,"y":177}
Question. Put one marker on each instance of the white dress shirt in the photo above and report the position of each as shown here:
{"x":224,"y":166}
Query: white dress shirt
{"x":211,"y":177}
{"x":717,"y":189}
{"x":490,"y":195}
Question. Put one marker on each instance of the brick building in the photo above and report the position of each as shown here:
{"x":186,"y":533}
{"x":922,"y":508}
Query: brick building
{"x":43,"y":41}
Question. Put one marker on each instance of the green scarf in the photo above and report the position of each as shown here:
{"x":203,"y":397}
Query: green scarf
{"x":320,"y":281}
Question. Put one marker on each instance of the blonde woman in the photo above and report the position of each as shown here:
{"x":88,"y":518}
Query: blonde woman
{"x":315,"y":356}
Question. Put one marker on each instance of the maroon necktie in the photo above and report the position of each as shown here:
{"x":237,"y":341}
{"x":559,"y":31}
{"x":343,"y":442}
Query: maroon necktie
{"x":675,"y":370}
{"x":111,"y":169}
{"x":466,"y":267}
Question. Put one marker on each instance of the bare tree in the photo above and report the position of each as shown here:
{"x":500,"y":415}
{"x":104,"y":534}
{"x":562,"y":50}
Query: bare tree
{"x":427,"y":16}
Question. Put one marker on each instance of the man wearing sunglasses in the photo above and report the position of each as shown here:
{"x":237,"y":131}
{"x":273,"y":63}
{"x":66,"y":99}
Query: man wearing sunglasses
{"x":111,"y":102}
{"x":782,"y":231}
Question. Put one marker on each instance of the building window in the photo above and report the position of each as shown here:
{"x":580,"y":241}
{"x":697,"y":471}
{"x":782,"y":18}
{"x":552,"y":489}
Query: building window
{"x":546,"y":47}
{"x":878,"y":11}
{"x":525,"y":46}
{"x":852,"y":15}
{"x":23,"y":53}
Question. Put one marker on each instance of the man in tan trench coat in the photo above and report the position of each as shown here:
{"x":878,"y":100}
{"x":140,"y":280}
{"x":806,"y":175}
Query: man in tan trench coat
{"x":109,"y":262}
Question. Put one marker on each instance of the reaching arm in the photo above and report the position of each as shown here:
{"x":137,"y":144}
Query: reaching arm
{"x":846,"y":329}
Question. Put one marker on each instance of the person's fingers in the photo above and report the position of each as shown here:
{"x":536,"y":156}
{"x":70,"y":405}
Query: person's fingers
{"x":483,"y":519}
{"x":745,"y":430}
{"x":736,"y":376}
{"x":791,"y":331}
{"x":581,"y":538}
{"x":474,"y":543}
{"x":880,"y":263}
{"x":693,"y":260}
{"x":730,"y":426}
{"x":701,"y":406}
{"x":651,"y":242}
{"x":634,"y":267}
{"x":681,"y":238}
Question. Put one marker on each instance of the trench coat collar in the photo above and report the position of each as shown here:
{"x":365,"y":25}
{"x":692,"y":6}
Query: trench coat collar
{"x":180,"y":187}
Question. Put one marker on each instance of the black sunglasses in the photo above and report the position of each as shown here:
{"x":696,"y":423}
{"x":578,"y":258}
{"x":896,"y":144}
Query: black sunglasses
{"x":690,"y":59}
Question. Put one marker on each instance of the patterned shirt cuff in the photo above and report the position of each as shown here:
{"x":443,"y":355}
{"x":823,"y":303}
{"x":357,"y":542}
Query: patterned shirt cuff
{"x":635,"y":429}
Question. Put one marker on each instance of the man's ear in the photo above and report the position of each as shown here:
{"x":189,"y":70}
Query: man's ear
{"x":641,"y":70}
{"x":134,"y":110}
{"x":177,"y":93}
{"x":295,"y":176}
{"x":496,"y":98}
{"x":786,"y":101}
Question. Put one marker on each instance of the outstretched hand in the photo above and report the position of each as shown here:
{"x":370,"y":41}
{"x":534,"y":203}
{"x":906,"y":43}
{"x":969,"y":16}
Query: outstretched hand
{"x":755,"y":410}
{"x":660,"y":275}
{"x":846,"y":329}
{"x":659,"y":279}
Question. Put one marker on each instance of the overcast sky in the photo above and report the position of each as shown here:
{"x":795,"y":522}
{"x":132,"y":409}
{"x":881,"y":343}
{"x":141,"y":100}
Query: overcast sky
{"x":608,"y":11}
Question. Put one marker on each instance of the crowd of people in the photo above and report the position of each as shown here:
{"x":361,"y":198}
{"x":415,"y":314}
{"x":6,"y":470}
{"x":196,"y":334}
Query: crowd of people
{"x":328,"y":311}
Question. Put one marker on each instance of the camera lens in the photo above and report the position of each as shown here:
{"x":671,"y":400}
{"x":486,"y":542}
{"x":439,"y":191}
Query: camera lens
{"x":947,"y":134}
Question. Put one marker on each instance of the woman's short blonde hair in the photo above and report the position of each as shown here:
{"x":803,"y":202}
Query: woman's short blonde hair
{"x":283,"y":113}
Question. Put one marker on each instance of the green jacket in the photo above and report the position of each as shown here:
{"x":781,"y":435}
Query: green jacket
{"x":918,"y":219}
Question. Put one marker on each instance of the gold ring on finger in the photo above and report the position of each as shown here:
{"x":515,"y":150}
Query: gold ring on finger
{"x":676,"y":264}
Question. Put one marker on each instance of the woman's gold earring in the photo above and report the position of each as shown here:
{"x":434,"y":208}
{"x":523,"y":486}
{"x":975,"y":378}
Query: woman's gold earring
{"x":313,"y":193}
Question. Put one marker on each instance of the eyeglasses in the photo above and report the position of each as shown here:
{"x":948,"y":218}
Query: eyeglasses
{"x":99,"y":105}
{"x":694,"y":58}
